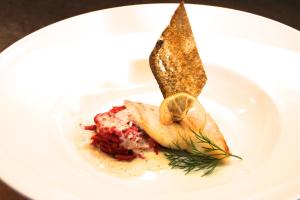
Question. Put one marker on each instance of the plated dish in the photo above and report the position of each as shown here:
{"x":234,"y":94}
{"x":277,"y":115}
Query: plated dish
{"x":180,"y":127}
{"x":49,"y":83}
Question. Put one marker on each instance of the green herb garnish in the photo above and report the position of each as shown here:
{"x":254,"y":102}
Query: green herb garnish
{"x":197,"y":160}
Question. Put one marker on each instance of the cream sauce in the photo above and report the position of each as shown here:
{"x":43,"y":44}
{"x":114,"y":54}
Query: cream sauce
{"x":105,"y":163}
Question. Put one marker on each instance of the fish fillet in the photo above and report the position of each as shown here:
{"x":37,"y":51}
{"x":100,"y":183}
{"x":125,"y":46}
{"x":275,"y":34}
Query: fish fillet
{"x":147,"y":117}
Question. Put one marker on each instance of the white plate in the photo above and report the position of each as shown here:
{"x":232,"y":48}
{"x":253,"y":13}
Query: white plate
{"x":61,"y":75}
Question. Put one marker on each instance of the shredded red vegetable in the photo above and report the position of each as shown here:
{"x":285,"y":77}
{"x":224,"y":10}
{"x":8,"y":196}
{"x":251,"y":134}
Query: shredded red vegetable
{"x":118,"y":136}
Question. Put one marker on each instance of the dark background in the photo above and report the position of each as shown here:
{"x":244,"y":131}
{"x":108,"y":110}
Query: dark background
{"x":21,"y":17}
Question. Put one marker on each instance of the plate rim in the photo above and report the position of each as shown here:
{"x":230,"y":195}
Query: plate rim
{"x":10,"y":50}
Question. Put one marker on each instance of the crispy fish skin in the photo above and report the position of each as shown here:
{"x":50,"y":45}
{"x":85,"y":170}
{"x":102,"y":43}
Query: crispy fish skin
{"x":175,"y":61}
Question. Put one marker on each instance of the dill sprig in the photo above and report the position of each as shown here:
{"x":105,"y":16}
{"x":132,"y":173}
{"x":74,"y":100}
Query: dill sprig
{"x":206,"y":159}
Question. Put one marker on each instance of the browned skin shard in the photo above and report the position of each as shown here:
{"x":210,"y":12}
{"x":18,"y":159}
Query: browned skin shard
{"x":175,"y":61}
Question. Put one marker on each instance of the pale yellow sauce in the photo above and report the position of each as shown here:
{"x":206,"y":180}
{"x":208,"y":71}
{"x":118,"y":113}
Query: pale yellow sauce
{"x":105,"y":163}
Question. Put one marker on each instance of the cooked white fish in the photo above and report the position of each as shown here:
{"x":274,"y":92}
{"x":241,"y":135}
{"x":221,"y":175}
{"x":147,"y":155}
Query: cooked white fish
{"x":147,"y":117}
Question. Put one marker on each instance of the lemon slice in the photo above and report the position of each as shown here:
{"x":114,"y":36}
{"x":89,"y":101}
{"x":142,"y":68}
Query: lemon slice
{"x":182,"y":107}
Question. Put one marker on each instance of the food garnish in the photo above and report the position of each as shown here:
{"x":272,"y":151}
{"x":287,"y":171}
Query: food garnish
{"x":175,"y":61}
{"x":178,"y":107}
{"x":197,"y":160}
